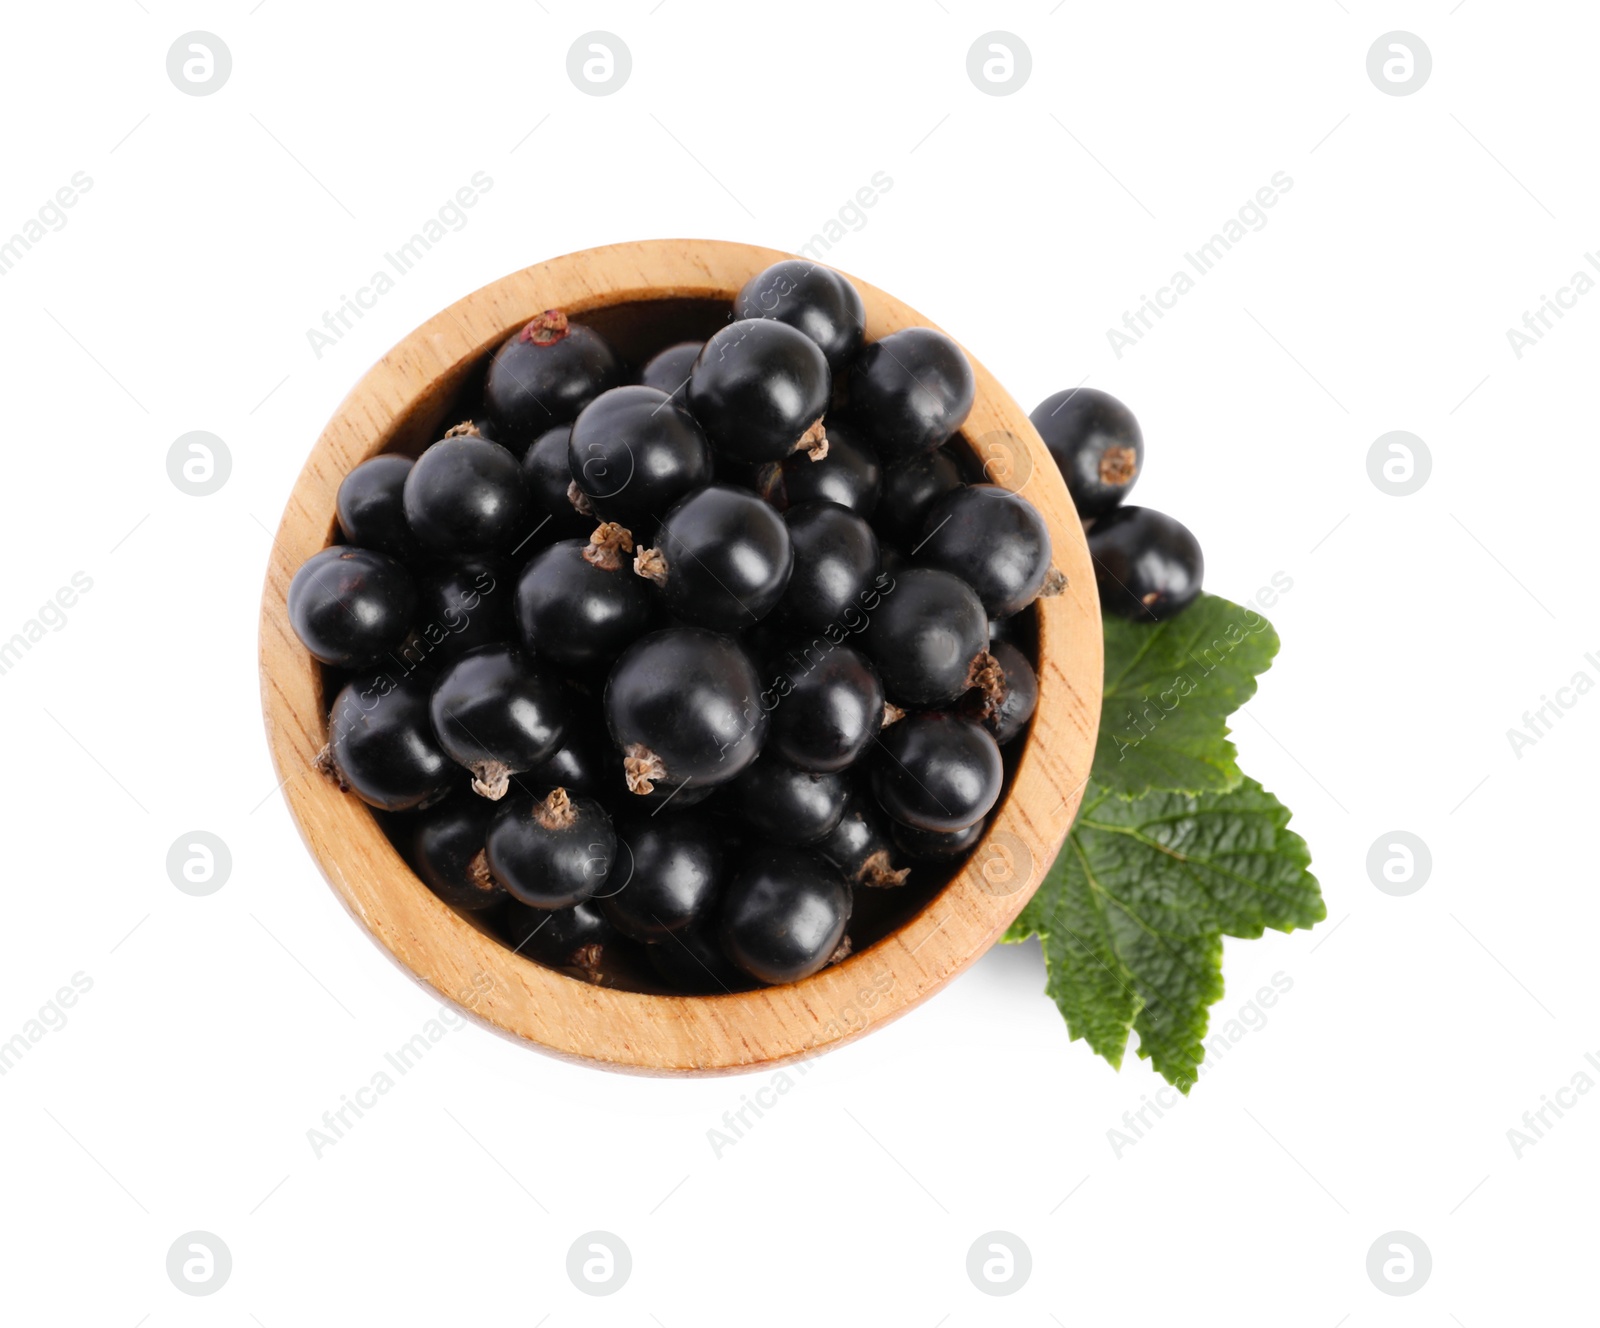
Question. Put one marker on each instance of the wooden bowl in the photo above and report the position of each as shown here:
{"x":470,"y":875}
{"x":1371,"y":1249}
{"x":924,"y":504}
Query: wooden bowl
{"x":640,"y":295}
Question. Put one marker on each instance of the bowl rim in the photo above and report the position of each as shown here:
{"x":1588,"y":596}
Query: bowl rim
{"x":401,"y":399}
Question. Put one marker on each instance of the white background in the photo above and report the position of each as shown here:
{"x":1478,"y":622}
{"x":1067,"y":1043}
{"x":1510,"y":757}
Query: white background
{"x":1418,"y":1030}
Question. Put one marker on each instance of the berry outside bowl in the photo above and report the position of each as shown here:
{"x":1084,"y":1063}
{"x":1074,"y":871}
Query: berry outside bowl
{"x":640,"y":295}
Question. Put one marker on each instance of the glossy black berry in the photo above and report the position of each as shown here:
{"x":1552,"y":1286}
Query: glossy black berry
{"x":722,"y":558}
{"x":668,"y":370}
{"x":497,"y":716}
{"x":910,"y":392}
{"x":936,"y":771}
{"x":550,"y":490}
{"x":910,"y":491}
{"x":849,"y":475}
{"x":670,"y":870}
{"x":827,"y":707}
{"x":760,"y":389}
{"x":1148,"y":566}
{"x":577,"y":940}
{"x":545,"y":374}
{"x":1005,"y":701}
{"x":579,"y":603}
{"x":783,"y":914}
{"x":447,"y":847}
{"x":994,"y":540}
{"x":351,"y":606}
{"x":586,"y":762}
{"x":786,"y":805}
{"x":381,"y":744}
{"x":692,"y":961}
{"x":812,"y":299}
{"x":943,"y":846}
{"x":928,"y":637}
{"x":1097,"y":444}
{"x":552,"y":852}
{"x":468,"y":495}
{"x":464,"y":605}
{"x":836,"y":563}
{"x":860,"y":847}
{"x":633,"y":453}
{"x":372,"y":511}
{"x":684,"y":706}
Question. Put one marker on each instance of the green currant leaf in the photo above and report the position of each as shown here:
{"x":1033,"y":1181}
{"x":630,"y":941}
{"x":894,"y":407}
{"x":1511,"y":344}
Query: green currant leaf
{"x":1169,"y":689}
{"x":1133,"y":913}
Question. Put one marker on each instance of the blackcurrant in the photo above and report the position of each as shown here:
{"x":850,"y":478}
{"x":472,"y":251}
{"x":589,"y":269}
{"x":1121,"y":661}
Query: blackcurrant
{"x":447,"y":847}
{"x":849,"y":475}
{"x":760,"y":388}
{"x":936,"y":771}
{"x":371,"y":508}
{"x":576,"y":940}
{"x":783,"y":914}
{"x":670,"y":869}
{"x":786,"y":805}
{"x":552,"y":852}
{"x":668,"y":370}
{"x":994,"y":540}
{"x":586,"y":762}
{"x":381,"y":744}
{"x":468,"y":495}
{"x":550,"y":489}
{"x":545,"y":374}
{"x":928,"y":636}
{"x":826,"y":709}
{"x":685,"y":707}
{"x":351,"y":606}
{"x":722,"y":559}
{"x":633,"y":453}
{"x":836,"y":562}
{"x":579,"y":603}
{"x":815,"y":300}
{"x":910,"y":392}
{"x":938,"y":845}
{"x":1148,"y":566}
{"x":1097,"y":444}
{"x":860,"y":847}
{"x":1006,"y":704}
{"x":464,"y":605}
{"x":910,"y":491}
{"x":497,"y":716}
{"x":692,"y":961}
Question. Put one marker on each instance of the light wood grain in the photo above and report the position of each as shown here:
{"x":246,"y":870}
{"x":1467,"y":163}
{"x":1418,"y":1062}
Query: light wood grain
{"x":400,"y":404}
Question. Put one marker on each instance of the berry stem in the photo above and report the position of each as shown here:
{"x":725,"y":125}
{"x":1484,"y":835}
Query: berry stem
{"x":814,"y":441}
{"x":491,"y":779}
{"x":556,"y":812}
{"x":607,"y":546}
{"x":651,"y":564}
{"x":642,"y":768}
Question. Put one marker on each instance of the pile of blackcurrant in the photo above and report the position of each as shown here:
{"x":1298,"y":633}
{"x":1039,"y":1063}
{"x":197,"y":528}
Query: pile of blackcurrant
{"x":1147,"y":566}
{"x":671,"y":661}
